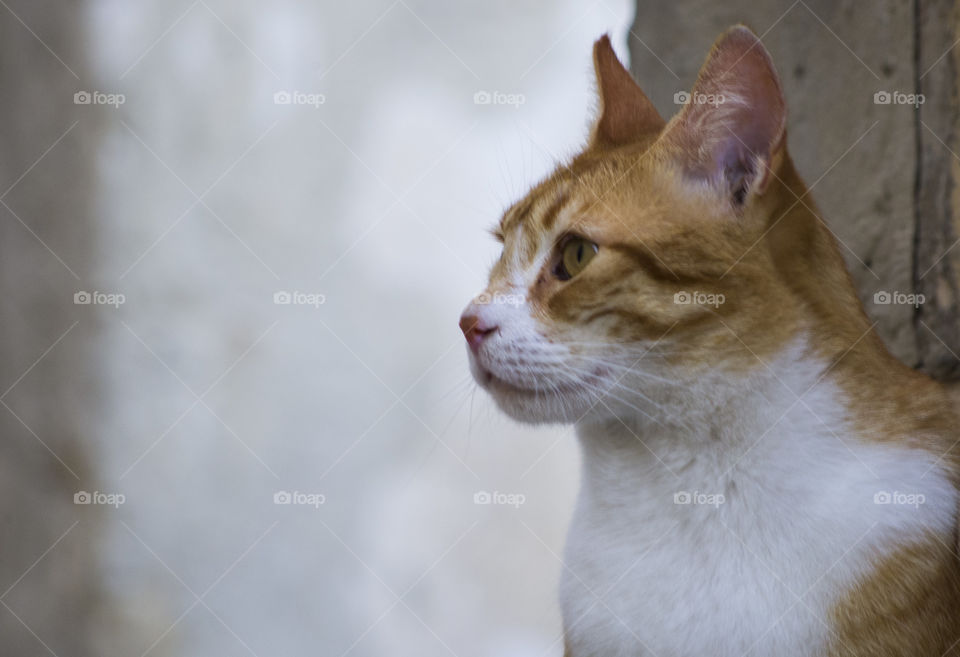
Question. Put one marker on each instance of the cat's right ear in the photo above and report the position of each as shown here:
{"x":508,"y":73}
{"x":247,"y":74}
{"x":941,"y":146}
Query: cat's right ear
{"x":625,"y":113}
{"x":733,"y":127}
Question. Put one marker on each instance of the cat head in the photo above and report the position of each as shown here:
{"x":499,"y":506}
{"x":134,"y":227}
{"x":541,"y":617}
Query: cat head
{"x":666,"y":254}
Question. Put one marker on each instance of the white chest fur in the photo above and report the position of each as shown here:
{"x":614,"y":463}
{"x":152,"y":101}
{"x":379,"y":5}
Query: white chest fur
{"x":739,"y":541}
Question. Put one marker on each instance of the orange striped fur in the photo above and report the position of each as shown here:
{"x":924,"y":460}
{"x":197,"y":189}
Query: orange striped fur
{"x":680,"y":208}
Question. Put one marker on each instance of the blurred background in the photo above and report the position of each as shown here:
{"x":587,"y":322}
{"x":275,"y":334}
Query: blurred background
{"x":236,"y":239}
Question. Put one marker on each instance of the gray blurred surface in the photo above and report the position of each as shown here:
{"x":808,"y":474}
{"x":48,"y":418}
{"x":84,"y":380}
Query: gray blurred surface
{"x":50,"y":576}
{"x":199,"y":398}
{"x":937,"y":259}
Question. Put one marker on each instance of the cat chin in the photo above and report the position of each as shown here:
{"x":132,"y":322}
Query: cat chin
{"x":536,"y":411}
{"x":532,"y":406}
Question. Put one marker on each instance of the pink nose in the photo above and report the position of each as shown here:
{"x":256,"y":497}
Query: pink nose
{"x":475,"y":330}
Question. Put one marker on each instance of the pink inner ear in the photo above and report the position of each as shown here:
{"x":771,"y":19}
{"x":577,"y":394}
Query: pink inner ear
{"x":736,"y":117}
{"x":626,"y":113}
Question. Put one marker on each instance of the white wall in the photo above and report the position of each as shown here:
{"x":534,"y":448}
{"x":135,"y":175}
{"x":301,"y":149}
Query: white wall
{"x":378,"y":199}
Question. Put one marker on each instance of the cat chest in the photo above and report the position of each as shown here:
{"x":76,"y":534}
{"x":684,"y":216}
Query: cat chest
{"x":679,"y":589}
{"x":736,"y":571}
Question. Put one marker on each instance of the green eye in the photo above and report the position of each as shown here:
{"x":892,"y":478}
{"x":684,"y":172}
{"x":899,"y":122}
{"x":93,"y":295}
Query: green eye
{"x":577,"y":254}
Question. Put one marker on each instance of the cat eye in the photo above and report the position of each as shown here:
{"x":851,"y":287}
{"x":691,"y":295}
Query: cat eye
{"x":575,"y":256}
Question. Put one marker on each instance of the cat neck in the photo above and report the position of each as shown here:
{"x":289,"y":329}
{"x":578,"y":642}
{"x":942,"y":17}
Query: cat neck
{"x":717,"y":418}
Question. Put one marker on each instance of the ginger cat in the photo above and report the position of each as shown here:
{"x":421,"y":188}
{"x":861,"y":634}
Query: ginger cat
{"x":760,"y":476}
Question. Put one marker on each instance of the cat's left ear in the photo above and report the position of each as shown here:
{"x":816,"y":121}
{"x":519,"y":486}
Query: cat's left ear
{"x":733,"y":127}
{"x":626,"y":114}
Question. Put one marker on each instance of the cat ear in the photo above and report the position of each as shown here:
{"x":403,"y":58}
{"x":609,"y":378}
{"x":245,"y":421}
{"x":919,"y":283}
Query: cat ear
{"x":625,"y":111}
{"x":734,"y":122}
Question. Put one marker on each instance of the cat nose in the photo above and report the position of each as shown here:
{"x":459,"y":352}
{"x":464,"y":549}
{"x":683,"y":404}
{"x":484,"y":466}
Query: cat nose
{"x":475,"y":329}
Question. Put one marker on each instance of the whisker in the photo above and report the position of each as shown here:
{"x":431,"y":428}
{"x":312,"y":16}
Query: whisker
{"x":459,"y":386}
{"x":604,"y":393}
{"x":652,"y":350}
{"x":617,"y":383}
{"x":631,"y":369}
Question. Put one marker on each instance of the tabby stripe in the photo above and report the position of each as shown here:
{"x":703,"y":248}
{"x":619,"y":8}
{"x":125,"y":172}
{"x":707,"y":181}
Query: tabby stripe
{"x":650,"y":264}
{"x":550,"y":215}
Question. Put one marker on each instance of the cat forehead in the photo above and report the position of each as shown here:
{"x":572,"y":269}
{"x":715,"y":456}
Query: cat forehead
{"x":596,"y":177}
{"x":546,"y":207}
{"x":603,"y":197}
{"x":539,"y":209}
